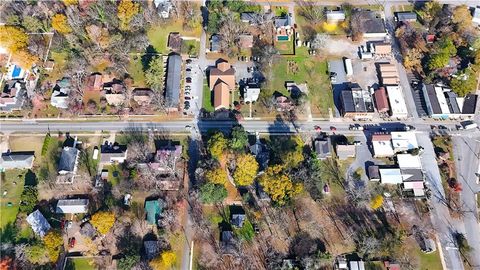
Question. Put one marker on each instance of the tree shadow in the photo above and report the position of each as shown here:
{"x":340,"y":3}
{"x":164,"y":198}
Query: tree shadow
{"x":148,"y":56}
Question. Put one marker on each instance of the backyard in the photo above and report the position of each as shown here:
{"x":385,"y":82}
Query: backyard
{"x":80,"y":264}
{"x":207,"y":98}
{"x":286,"y":47}
{"x":303,"y":68}
{"x":158,"y":34}
{"x":12,"y":187}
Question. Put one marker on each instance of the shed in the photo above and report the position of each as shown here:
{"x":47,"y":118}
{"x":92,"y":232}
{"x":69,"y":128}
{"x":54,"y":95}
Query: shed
{"x":390,"y":176}
{"x":153,"y":210}
{"x":374,"y":173}
{"x":335,"y":16}
{"x":72,"y":206}
{"x":39,"y":223}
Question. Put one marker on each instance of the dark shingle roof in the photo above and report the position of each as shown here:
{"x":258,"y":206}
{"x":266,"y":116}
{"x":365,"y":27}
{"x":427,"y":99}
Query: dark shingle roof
{"x":215,"y":43}
{"x":469,"y":104}
{"x":432,"y":98}
{"x":172,"y":88}
{"x":68,"y":159}
{"x":370,"y":22}
{"x":322,"y":148}
{"x":406,"y":16}
{"x":452,"y":102}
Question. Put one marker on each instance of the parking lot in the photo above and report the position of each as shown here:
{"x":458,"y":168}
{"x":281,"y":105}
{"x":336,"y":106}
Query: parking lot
{"x":192,"y":88}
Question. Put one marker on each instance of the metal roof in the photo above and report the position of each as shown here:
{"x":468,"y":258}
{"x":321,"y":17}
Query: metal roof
{"x":172,"y":87}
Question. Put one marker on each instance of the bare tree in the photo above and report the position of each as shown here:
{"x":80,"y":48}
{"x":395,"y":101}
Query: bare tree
{"x":230,"y":30}
{"x":310,"y":11}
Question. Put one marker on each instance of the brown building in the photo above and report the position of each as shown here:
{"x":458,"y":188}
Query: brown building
{"x":223,"y":72}
{"x":221,"y":96}
{"x":94,"y":82}
{"x":381,"y":100}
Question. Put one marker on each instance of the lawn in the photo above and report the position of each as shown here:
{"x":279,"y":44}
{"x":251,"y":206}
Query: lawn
{"x":13,"y":183}
{"x":114,"y":174}
{"x":191,"y":47}
{"x":29,"y":143}
{"x":80,"y":264}
{"x":304,"y":69}
{"x":60,"y":59}
{"x":135,"y":70}
{"x":285,"y":47}
{"x":207,"y":98}
{"x":158,"y":34}
{"x":429,"y":261}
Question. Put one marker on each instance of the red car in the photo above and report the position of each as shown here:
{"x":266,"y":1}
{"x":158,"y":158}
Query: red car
{"x":333,"y":129}
{"x":71,"y":242}
{"x":317,"y":128}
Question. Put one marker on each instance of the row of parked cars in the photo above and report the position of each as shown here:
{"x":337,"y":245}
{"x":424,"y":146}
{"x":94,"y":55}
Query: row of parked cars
{"x":188,"y":87}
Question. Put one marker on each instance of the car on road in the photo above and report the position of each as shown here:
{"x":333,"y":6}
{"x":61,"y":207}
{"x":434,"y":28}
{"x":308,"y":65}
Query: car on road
{"x":355,"y":127}
{"x":189,"y":61}
{"x":332,"y":128}
{"x":71,"y":242}
{"x":188,"y":69}
{"x":468,"y":125}
{"x":357,"y":143}
{"x":187,"y":93}
{"x":317,"y":128}
{"x":433,"y":127}
{"x":442,"y":127}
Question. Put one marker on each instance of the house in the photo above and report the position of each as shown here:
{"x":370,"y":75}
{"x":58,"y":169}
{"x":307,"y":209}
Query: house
{"x":345,"y":151}
{"x":165,"y":159}
{"x":113,"y":153}
{"x":143,"y":96}
{"x":335,"y":16}
{"x":11,"y":97}
{"x":251,"y":92}
{"x":260,"y":151}
{"x":413,"y":179}
{"x":406,"y":17}
{"x":476,"y":16}
{"x":153,"y":209}
{"x":164,"y":7}
{"x":245,"y":41}
{"x":68,"y":160}
{"x":382,"y":145}
{"x":374,"y":173}
{"x":152,"y":248}
{"x":356,"y":103}
{"x":249,"y":17}
{"x":87,"y":230}
{"x":322,"y":148}
{"x":72,"y":206}
{"x":356,"y":265}
{"x":114,"y":92}
{"x":17,"y":160}
{"x":390,"y":176}
{"x":39,"y":223}
{"x":283,"y":27}
{"x":174,"y":41}
{"x":430,"y":39}
{"x":398,"y":106}
{"x":409,"y":161}
{"x":221,"y":96}
{"x":370,"y":24}
{"x":226,"y":239}
{"x":172,"y":85}
{"x":237,"y":216}
{"x":61,"y":93}
{"x":215,"y":45}
{"x":404,"y":141}
{"x":223,"y":72}
{"x":381,"y":100}
{"x":94,"y":82}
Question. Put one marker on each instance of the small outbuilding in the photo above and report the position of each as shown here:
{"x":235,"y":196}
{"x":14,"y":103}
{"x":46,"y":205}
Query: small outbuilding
{"x":39,"y":223}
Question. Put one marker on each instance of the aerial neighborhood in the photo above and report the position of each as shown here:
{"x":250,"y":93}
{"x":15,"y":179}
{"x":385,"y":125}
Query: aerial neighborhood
{"x":164,"y":134}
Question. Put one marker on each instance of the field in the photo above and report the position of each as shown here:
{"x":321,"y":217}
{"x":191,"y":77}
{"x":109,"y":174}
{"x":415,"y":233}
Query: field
{"x":307,"y":69}
{"x":80,"y":264}
{"x":158,"y":34}
{"x":286,"y":47}
{"x":12,"y":182}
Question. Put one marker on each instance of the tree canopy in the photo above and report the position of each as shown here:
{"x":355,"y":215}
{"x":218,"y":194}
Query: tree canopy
{"x":164,"y":261}
{"x":464,"y":83}
{"x":246,"y":170}
{"x":60,"y":24}
{"x":154,"y":74}
{"x":103,"y":221}
{"x":53,"y":242}
{"x":239,"y":138}
{"x":127,"y":9}
{"x":212,"y":193}
{"x":28,"y":199}
{"x":277,"y":184}
{"x":376,"y":202}
{"x":217,"y":144}
{"x":216,"y":176}
{"x":13,"y":38}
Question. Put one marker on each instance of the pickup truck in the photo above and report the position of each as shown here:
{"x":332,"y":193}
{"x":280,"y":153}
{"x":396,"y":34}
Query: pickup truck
{"x":466,"y":125}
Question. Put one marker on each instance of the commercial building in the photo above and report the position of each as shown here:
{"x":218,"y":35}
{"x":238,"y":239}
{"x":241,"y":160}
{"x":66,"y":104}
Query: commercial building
{"x":398,"y":106}
{"x":409,"y":161}
{"x":404,"y":141}
{"x":382,"y":145}
{"x":356,"y":103}
{"x":370,"y":24}
{"x":390,"y":176}
{"x":443,"y":103}
{"x":381,"y":100}
{"x":172,"y":85}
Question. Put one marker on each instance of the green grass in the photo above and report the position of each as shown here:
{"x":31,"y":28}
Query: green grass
{"x":311,"y":70}
{"x":114,"y":180}
{"x":135,"y":70}
{"x":158,"y":34}
{"x":80,"y":264}
{"x":285,"y":47}
{"x":9,"y":214}
{"x":429,"y":261}
{"x":207,"y":98}
{"x":191,"y":47}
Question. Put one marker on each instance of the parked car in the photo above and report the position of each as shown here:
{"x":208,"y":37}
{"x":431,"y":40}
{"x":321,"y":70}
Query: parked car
{"x":188,"y":69}
{"x":188,"y":80}
{"x":187,"y":93}
{"x":317,"y":128}
{"x":186,"y":103}
{"x":71,"y":242}
{"x":357,"y":143}
{"x":189,"y":61}
{"x":187,"y":98}
{"x":332,"y":128}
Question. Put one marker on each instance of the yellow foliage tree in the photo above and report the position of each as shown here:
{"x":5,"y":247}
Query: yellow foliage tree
{"x":278,"y":185}
{"x":462,"y":17}
{"x":216,"y":176}
{"x":165,"y":261}
{"x":376,"y":202}
{"x":247,"y":168}
{"x":12,"y":38}
{"x":24,"y":58}
{"x":126,"y":10}
{"x":217,"y":144}
{"x":60,"y":24}
{"x":103,"y":221}
{"x":70,"y":2}
{"x":53,"y":241}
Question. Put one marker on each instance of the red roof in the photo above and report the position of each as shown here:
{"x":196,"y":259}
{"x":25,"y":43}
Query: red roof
{"x":381,"y":100}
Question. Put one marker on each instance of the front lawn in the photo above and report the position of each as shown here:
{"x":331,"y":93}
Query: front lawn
{"x":13,"y":183}
{"x":207,"y":98}
{"x":303,"y":68}
{"x":158,"y":34}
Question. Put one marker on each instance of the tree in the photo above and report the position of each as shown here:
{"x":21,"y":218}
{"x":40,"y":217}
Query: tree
{"x":13,"y":38}
{"x":164,"y":261}
{"x":128,"y":262}
{"x":239,"y":138}
{"x":70,"y":2}
{"x":462,"y":17}
{"x":60,"y":24}
{"x":246,"y":170}
{"x":127,"y":9}
{"x":216,"y":176}
{"x":217,"y":144}
{"x":36,"y":254}
{"x":154,"y":73}
{"x":376,"y":202}
{"x":103,"y":221}
{"x":32,"y":24}
{"x":24,"y":59}
{"x":464,"y":83}
{"x":277,"y":184}
{"x":53,"y":242}
{"x":212,"y":193}
{"x":28,"y":199}
{"x":429,"y":11}
{"x":310,"y":11}
{"x":462,"y":243}
{"x":438,"y":60}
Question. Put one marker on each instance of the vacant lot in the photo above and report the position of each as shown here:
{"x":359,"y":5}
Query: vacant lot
{"x":28,"y":143}
{"x":12,"y":187}
{"x":303,"y":68}
{"x":158,"y":34}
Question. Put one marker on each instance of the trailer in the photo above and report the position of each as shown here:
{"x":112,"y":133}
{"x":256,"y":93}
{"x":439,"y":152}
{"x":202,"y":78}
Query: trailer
{"x":348,"y":66}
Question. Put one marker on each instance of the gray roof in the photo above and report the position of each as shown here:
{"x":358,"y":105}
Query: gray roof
{"x":172,"y":88}
{"x":282,"y":21}
{"x":68,"y":159}
{"x":431,"y":98}
{"x":322,"y":148}
{"x":114,"y":150}
{"x":373,"y":172}
{"x":452,"y":102}
{"x":215,"y":43}
{"x":238,"y":219}
{"x":72,"y":206}
{"x":88,"y":230}
{"x":406,"y":16}
{"x":17,"y":160}
{"x":250,"y":17}
{"x":415,"y":175}
{"x":39,"y":223}
{"x":355,"y":103}
{"x":370,"y":22}
{"x":469,"y":104}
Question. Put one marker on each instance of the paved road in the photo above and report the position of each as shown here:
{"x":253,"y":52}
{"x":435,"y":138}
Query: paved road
{"x":467,"y":153}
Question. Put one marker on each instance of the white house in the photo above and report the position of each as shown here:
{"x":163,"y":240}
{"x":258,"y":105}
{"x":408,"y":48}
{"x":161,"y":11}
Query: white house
{"x":335,"y":16}
{"x":251,"y":92}
{"x":72,"y":206}
{"x":382,"y":145}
